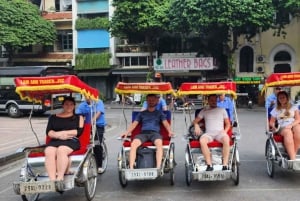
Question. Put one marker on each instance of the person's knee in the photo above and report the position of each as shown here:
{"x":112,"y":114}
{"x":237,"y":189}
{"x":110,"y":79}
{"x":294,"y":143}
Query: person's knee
{"x":50,"y":151}
{"x":64,"y":150}
{"x":203,"y":140}
{"x":225,"y":140}
{"x":158,"y":143}
{"x":135,"y":143}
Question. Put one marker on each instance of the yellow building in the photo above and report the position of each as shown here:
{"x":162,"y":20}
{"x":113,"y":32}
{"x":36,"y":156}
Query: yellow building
{"x":266,"y":54}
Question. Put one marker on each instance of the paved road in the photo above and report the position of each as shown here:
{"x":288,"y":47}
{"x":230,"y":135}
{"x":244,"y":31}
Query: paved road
{"x":254,"y":182}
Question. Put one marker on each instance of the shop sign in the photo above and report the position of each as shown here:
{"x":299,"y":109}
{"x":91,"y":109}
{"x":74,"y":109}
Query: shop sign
{"x":247,"y":80}
{"x":183,"y":64}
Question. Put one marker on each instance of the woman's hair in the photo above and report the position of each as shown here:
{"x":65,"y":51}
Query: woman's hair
{"x":278,"y":104}
{"x":69,"y":98}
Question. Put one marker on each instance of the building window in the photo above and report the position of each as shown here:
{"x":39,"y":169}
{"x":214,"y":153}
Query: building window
{"x":246,"y":59}
{"x":282,"y":56}
{"x":133,"y":61}
{"x":282,"y":61}
{"x":65,"y":41}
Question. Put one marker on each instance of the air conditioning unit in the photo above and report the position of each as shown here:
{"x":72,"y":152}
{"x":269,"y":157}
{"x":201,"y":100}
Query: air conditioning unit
{"x":260,"y":59}
{"x":260,"y":69}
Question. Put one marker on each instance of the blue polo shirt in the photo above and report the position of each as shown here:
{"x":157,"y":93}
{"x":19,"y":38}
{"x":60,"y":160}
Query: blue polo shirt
{"x":270,"y":98}
{"x":227,"y":104}
{"x":85,"y":110}
{"x":150,"y":120}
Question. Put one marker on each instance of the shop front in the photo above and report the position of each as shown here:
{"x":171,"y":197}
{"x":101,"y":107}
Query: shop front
{"x":249,"y":88}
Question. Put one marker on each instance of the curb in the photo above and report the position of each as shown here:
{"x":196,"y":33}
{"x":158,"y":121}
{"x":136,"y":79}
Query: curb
{"x":11,"y":158}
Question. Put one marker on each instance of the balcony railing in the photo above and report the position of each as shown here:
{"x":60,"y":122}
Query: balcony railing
{"x":132,"y":48}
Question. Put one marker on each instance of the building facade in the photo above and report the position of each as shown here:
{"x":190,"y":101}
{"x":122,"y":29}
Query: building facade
{"x":266,"y":54}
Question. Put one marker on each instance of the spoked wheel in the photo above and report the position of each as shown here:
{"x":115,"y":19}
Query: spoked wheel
{"x":104,"y":156}
{"x":122,"y":179}
{"x":188,"y":167}
{"x":172,"y":163}
{"x":91,"y":182}
{"x":121,"y":166}
{"x":235,"y":168}
{"x":270,"y":159}
{"x":30,"y":177}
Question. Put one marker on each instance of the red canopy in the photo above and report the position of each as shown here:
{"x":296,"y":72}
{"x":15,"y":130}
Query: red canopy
{"x":34,"y":89}
{"x":282,"y":79}
{"x":144,"y":88}
{"x":206,"y":88}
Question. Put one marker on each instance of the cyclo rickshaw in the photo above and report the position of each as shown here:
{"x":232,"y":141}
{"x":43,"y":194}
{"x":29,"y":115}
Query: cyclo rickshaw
{"x":275,"y":151}
{"x":195,"y":166}
{"x":33,"y":179}
{"x":147,"y":172}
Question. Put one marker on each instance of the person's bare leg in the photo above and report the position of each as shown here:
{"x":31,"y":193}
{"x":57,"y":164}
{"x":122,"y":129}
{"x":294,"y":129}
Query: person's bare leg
{"x":63,"y":153}
{"x":226,"y":149}
{"x":296,"y":131}
{"x":159,"y":152}
{"x":50,"y":162}
{"x":132,"y":154}
{"x":205,"y":150}
{"x":288,"y":142}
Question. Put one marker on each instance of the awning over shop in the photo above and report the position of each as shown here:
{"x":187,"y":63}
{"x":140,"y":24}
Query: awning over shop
{"x":93,"y":74}
{"x":130,"y":71}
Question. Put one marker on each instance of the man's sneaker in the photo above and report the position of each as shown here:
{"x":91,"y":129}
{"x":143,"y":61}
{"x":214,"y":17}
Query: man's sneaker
{"x":224,"y":167}
{"x":209,"y":168}
{"x":100,"y":170}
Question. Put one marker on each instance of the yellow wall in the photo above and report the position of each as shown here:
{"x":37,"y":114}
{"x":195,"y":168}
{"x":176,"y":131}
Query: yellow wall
{"x":265,"y":44}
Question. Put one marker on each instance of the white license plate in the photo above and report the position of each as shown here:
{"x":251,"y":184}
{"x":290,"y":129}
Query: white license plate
{"x":141,"y":174}
{"x":37,"y":187}
{"x":212,"y":176}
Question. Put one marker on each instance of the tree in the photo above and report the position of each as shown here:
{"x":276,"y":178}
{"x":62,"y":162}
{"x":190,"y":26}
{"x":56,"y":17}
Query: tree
{"x":21,"y":25}
{"x":140,"y":20}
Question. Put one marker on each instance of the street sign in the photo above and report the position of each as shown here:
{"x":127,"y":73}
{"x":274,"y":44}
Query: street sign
{"x":183,"y":64}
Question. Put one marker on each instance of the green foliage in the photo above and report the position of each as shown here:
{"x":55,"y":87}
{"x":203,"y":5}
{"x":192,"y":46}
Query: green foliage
{"x":139,"y":18}
{"x":21,"y":25}
{"x":241,"y":16}
{"x":92,"y":61}
{"x":95,"y":23}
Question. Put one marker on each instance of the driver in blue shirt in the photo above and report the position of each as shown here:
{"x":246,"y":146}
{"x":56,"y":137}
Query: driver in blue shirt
{"x":225,"y":102}
{"x":271,"y":99}
{"x":85,"y":110}
{"x":161,"y":105}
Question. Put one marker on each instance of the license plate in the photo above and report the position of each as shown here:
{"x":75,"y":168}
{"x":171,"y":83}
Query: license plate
{"x":141,"y":174}
{"x":37,"y":187}
{"x":212,"y":176}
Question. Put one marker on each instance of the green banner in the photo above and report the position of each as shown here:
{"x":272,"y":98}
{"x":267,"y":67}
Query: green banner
{"x":247,"y":80}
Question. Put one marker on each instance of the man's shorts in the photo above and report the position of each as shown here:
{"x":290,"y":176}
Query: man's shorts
{"x":145,"y":136}
{"x":216,"y":135}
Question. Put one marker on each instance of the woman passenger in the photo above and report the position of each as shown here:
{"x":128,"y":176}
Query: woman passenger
{"x":288,"y":119}
{"x":64,"y":129}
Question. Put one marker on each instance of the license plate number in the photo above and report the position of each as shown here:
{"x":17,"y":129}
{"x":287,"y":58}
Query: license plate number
{"x":36,"y":187}
{"x":144,"y":174}
{"x":212,"y":176}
